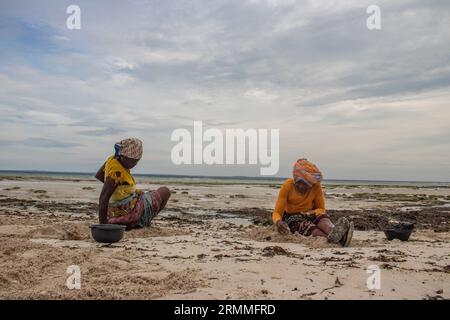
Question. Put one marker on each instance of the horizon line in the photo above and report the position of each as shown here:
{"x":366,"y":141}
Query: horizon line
{"x":214,"y":176}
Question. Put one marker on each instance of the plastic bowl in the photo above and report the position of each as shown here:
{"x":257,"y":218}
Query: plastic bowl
{"x":401,"y":234}
{"x":107,"y":233}
{"x":404,"y":226}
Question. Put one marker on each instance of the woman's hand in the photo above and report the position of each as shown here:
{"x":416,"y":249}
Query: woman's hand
{"x":282,"y":227}
{"x":108,"y":189}
{"x":100,"y":175}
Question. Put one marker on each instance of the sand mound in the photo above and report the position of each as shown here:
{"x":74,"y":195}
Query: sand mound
{"x":154,"y":231}
{"x":62,"y":231}
{"x":269,"y":234}
{"x":38,"y":271}
{"x":141,"y":286}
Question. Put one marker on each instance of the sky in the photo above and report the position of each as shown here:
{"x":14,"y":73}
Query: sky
{"x":360,"y":103}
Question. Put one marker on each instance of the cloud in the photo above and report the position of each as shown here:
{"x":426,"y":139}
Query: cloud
{"x":118,"y":64}
{"x":39,"y":143}
{"x":362,"y":104}
{"x":101,"y":132}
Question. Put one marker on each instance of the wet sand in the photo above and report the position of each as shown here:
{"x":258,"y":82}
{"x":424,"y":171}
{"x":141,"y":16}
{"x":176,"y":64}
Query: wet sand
{"x":217,"y":242}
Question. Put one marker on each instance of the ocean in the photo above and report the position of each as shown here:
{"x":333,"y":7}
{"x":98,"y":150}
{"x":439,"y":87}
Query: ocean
{"x":182,"y":179}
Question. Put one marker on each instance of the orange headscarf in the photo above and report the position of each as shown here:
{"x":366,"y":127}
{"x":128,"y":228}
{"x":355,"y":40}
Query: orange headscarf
{"x":307,"y":172}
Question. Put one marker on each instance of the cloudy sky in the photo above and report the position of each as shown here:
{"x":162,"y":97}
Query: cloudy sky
{"x":361,"y":104}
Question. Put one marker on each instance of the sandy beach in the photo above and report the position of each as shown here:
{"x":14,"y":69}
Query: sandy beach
{"x":216,"y":241}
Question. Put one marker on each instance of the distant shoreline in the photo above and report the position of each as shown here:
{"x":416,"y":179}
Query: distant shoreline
{"x":218,"y":179}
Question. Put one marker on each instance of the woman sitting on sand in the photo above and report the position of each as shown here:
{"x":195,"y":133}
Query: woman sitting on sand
{"x":301,"y":207}
{"x":120,"y":201}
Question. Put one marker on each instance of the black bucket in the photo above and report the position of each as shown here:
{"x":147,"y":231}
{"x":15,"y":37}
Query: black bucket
{"x":401,"y":231}
{"x":107,"y":233}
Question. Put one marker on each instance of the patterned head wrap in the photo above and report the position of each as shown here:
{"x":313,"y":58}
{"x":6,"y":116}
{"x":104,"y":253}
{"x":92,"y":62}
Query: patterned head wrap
{"x":307,"y":172}
{"x":130,"y":148}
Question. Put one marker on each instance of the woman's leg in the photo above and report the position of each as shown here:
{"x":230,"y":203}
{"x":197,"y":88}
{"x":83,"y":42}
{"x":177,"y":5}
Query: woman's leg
{"x":316,"y":232}
{"x":325,"y":225}
{"x":164,"y":193}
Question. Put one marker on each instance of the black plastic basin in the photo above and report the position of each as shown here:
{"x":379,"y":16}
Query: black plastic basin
{"x":401,"y":234}
{"x":404,"y":226}
{"x":107,"y":233}
{"x":401,"y":231}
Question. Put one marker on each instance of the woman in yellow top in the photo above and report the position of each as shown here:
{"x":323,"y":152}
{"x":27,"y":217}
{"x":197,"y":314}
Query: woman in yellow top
{"x":120,"y":201}
{"x":301,"y":207}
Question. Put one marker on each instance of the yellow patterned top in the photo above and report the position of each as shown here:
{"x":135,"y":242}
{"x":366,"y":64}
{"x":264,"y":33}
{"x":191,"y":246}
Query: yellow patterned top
{"x":125,"y":183}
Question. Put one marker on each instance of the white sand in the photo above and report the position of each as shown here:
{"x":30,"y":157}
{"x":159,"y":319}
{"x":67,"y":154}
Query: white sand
{"x":198,"y":257}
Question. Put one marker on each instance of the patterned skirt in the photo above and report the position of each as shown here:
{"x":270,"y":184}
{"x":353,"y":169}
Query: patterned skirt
{"x":302,"y":223}
{"x":136,"y":211}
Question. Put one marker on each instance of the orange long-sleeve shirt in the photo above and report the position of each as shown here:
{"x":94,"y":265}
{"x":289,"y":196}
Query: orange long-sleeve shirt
{"x":292,"y":201}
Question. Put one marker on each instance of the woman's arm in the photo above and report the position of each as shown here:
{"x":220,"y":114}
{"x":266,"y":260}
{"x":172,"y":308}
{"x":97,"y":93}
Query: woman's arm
{"x":108,"y":189}
{"x":319,"y":201}
{"x":280,"y":205}
{"x":100,"y":175}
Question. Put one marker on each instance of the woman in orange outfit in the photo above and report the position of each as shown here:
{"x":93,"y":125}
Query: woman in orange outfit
{"x":301,"y":207}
